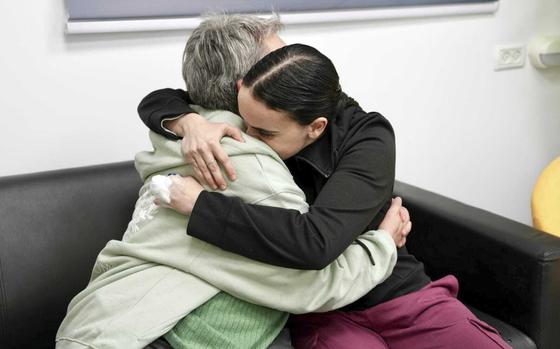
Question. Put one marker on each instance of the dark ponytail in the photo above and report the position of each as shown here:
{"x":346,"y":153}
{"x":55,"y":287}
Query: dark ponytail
{"x":297,"y":79}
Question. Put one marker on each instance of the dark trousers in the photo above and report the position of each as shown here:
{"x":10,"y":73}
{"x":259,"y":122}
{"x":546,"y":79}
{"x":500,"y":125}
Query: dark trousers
{"x":431,"y":318}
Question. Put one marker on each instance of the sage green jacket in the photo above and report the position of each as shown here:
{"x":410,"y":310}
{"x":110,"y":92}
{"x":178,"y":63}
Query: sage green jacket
{"x":142,"y":286}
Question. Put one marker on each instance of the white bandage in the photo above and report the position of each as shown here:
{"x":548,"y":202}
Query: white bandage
{"x":159,"y":187}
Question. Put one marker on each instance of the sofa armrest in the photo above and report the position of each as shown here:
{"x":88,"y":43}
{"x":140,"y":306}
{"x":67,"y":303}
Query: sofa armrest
{"x":505,"y":268}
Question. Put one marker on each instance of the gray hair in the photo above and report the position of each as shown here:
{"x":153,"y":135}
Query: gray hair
{"x":221,"y":51}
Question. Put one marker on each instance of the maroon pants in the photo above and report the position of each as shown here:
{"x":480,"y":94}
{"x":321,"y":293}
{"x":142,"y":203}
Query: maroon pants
{"x":431,"y":318}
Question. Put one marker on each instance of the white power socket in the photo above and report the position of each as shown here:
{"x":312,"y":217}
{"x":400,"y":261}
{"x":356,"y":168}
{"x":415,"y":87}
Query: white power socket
{"x":508,"y":57}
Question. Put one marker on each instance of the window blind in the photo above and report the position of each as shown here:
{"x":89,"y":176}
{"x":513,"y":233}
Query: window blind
{"x":181,"y":12}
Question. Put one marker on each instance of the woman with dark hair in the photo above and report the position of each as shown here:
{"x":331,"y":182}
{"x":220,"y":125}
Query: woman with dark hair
{"x":288,"y":116}
{"x":343,"y":158}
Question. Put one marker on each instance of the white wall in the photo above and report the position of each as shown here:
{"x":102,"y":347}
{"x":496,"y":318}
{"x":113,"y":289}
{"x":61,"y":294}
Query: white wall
{"x":463,"y":129}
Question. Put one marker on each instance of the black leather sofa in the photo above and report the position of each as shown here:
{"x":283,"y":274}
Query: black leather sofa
{"x":53,"y":224}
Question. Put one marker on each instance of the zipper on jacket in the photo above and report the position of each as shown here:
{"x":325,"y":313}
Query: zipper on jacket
{"x":315,"y":167}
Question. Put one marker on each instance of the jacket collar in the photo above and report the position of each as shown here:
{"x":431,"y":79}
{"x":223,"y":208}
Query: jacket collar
{"x":319,"y":154}
{"x":322,"y":155}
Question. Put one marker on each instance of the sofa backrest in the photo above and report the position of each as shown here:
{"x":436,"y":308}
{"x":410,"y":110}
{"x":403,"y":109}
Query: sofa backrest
{"x":52,"y":226}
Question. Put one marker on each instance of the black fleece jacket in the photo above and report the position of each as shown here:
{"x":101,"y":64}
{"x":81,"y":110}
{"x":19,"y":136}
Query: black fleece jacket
{"x":347,"y":176}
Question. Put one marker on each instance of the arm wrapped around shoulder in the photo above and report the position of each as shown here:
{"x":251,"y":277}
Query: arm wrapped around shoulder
{"x":342,"y":282}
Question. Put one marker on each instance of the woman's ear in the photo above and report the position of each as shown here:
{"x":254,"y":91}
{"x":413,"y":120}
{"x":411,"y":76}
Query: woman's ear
{"x":317,"y":127}
{"x":238,"y":83}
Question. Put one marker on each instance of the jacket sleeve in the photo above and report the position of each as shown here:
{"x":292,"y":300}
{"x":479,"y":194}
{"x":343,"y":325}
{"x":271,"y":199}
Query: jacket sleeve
{"x":162,"y":105}
{"x":356,"y":192}
{"x":267,"y":182}
{"x":340,"y":283}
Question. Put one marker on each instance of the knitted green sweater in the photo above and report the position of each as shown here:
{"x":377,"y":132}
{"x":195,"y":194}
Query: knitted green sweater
{"x":227,"y":322}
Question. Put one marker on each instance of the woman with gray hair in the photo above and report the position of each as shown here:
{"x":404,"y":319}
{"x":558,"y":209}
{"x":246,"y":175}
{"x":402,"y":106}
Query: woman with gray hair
{"x":158,"y":281}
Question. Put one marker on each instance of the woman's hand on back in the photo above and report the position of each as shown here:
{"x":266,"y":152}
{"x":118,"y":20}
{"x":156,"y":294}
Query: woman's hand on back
{"x":202,"y":149}
{"x":397,"y":222}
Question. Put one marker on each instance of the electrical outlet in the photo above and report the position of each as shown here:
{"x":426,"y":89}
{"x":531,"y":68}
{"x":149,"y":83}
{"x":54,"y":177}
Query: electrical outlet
{"x":507,"y":57}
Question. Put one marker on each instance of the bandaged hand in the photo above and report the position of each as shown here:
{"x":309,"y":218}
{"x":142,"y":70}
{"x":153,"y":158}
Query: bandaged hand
{"x":176,"y":192}
{"x":159,"y":187}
